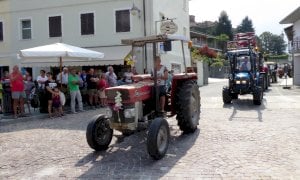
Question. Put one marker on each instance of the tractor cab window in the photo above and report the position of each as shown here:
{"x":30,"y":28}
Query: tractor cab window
{"x":243,"y":63}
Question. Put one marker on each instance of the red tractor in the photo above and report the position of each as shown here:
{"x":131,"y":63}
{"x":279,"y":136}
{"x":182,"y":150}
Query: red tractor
{"x":134,"y":106}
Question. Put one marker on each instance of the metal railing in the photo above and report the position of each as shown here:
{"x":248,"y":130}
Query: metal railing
{"x":200,"y":43}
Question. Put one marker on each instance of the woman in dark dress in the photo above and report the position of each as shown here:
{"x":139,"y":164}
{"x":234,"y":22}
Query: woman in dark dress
{"x":50,"y":85}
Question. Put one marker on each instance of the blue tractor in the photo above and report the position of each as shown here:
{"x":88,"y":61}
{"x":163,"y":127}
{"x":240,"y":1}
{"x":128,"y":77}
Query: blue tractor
{"x":244,"y":77}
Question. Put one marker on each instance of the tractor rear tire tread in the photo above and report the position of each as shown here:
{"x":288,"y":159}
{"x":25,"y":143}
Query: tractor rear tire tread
{"x":188,"y":120}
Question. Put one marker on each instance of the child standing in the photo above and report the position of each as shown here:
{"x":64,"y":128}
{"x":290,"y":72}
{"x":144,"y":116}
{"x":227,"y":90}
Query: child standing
{"x":56,"y":104}
{"x":102,"y":85}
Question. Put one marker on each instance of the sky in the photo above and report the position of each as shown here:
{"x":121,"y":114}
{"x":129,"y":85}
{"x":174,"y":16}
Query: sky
{"x":265,"y":14}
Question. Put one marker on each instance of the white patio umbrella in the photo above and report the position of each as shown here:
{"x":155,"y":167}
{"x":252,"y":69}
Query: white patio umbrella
{"x":58,"y":53}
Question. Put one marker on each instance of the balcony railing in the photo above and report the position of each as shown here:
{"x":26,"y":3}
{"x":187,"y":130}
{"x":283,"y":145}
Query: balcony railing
{"x":212,"y":44}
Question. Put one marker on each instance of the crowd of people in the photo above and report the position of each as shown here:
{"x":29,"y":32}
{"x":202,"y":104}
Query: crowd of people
{"x":53,"y":91}
{"x":79,"y":87}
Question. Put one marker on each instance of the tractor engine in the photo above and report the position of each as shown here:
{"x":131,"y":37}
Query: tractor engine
{"x":127,"y":102}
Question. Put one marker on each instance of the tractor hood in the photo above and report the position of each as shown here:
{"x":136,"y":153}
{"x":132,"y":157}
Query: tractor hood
{"x":242,"y":76}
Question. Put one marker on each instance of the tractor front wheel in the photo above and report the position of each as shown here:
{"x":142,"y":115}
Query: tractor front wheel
{"x":226,"y":95}
{"x":98,"y":133}
{"x":257,"y":96}
{"x":158,"y":138}
{"x":188,"y":112}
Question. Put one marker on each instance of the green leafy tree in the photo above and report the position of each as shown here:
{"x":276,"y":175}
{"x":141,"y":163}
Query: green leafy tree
{"x":208,"y":56}
{"x":222,"y":40}
{"x":224,"y":26}
{"x":272,"y":43}
{"x":245,"y":26}
{"x":279,"y":45}
{"x":266,"y":41}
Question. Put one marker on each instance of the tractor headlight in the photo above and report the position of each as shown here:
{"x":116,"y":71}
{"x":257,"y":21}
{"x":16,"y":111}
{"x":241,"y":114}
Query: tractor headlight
{"x":108,"y":112}
{"x":237,"y":82}
{"x":129,"y":113}
{"x":244,"y":82}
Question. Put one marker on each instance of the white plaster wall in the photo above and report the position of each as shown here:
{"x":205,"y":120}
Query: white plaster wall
{"x":297,"y":28}
{"x":200,"y":80}
{"x":70,"y":11}
{"x":170,"y":9}
{"x":297,"y":70}
{"x":39,"y":11}
{"x":5,"y":45}
{"x":297,"y":56}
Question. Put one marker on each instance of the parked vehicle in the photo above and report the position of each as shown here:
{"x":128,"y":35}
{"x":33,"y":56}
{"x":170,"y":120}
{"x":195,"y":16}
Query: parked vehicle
{"x":134,"y":106}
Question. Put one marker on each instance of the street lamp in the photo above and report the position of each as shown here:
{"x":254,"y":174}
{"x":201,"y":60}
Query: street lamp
{"x":135,"y":10}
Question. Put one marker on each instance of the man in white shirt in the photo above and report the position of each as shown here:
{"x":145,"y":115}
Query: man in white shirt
{"x":62,"y":78}
{"x":41,"y":79}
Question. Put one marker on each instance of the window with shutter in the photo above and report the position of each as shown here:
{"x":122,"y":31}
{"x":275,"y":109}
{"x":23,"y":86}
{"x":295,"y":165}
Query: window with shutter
{"x":55,"y":26}
{"x":87,"y":23}
{"x":123,"y":21}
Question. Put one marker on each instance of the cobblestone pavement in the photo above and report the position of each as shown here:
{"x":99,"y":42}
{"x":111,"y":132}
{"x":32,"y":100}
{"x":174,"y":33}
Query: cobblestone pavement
{"x":237,"y":141}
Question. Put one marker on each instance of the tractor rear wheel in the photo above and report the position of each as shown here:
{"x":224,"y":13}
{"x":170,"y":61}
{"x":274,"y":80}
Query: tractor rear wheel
{"x":226,"y":95}
{"x":257,"y":96}
{"x":98,"y":133}
{"x":188,"y":103}
{"x":158,"y":138}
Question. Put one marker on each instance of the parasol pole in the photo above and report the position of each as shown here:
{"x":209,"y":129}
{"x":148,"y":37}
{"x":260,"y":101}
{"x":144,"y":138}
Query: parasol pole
{"x":60,"y":69}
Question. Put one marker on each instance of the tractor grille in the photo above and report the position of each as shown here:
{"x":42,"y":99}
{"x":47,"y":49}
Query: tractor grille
{"x":118,"y":116}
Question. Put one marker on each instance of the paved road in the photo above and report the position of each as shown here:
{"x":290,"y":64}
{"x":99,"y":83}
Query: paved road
{"x":237,"y":141}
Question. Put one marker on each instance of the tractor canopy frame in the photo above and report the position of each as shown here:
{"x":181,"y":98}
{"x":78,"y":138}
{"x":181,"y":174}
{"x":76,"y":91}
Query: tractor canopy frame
{"x":154,"y":39}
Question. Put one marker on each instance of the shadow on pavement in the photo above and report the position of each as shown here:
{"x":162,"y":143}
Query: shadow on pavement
{"x":69,"y":121}
{"x":130,"y":160}
{"x":246,"y":105}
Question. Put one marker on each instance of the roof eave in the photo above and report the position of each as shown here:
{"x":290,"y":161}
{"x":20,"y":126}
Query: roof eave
{"x":292,"y":17}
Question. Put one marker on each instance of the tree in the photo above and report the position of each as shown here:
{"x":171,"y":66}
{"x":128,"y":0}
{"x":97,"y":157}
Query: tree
{"x":266,"y":41}
{"x":222,"y":39}
{"x":272,"y":43}
{"x":278,"y":45}
{"x":224,"y":26}
{"x":245,"y":26}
